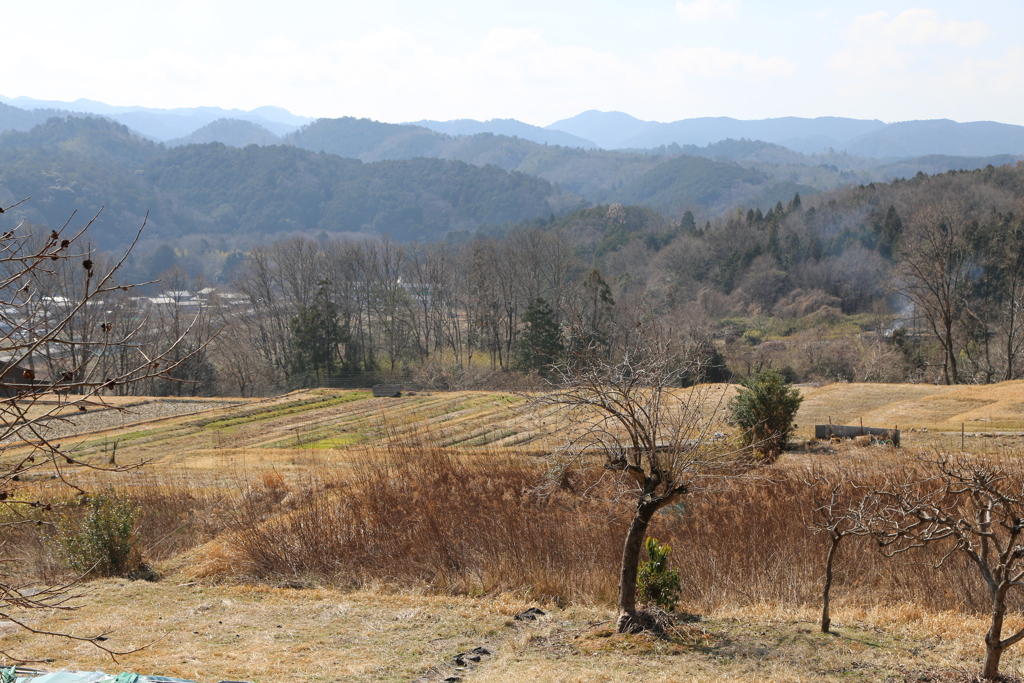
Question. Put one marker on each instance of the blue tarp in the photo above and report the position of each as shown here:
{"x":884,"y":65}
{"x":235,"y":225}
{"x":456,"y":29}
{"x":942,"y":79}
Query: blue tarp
{"x":10,"y":675}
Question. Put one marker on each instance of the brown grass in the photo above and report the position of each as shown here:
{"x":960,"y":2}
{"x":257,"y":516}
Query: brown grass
{"x":493,"y":522}
{"x":430,"y":513}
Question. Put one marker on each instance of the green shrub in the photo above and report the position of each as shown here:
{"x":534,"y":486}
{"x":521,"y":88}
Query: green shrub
{"x":657,"y":583}
{"x":753,"y":337}
{"x":764,"y":409}
{"x":102,"y":543}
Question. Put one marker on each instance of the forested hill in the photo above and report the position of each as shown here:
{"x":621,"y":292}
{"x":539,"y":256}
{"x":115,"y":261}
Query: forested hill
{"x":744,"y":172}
{"x":84,"y":163}
{"x":231,"y":132}
{"x":14,"y":118}
{"x":429,"y":185}
{"x":682,"y":182}
{"x":669,"y":180}
{"x":87,"y":162}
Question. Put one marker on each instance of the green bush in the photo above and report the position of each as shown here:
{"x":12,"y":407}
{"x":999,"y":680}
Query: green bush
{"x":753,"y":337}
{"x":102,"y":543}
{"x":764,"y":409}
{"x":657,"y":583}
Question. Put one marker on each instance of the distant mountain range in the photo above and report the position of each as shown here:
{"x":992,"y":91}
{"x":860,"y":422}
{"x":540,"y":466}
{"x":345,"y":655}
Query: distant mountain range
{"x":616,"y":130}
{"x":869,"y":138}
{"x":590,"y":130}
{"x":510,"y":128}
{"x":162,"y":125}
{"x":237,"y":176}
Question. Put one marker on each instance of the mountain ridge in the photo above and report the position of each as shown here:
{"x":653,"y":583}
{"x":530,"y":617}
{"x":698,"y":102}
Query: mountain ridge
{"x":592,"y":129}
{"x":162,"y":125}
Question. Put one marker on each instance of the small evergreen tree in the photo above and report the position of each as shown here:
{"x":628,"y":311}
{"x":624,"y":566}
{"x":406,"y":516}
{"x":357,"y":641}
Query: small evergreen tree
{"x":316,"y":334}
{"x":764,"y":409}
{"x":541,"y":343}
{"x":657,"y":583}
{"x":892,"y":228}
{"x":688,"y":225}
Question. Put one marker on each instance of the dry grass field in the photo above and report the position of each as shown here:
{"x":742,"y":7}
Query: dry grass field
{"x":328,"y":535}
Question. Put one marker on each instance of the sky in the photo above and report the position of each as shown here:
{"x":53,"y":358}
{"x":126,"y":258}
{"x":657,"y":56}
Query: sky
{"x":536,"y":61}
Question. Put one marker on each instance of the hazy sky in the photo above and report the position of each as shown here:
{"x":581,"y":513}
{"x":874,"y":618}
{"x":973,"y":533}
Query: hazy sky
{"x":537,"y":61}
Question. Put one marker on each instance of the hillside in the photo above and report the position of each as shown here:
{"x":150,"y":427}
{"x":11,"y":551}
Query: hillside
{"x":710,"y":185}
{"x":352,"y":175}
{"x":687,"y":182}
{"x":367,"y":140}
{"x":231,"y":132}
{"x":507,"y":127}
{"x":13,"y":118}
{"x":435,"y":185}
{"x":941,"y":136}
{"x":84,"y":163}
{"x":161,"y":125}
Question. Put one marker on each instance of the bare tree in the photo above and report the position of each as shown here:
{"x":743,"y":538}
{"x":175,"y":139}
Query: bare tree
{"x":269,"y":310}
{"x":832,"y":516}
{"x":39,"y":332}
{"x":629,"y":414}
{"x":934,"y":271}
{"x":966,"y":507}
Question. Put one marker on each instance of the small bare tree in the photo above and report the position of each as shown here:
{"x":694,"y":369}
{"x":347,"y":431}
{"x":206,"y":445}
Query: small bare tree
{"x":50,"y":371}
{"x":832,"y":516}
{"x":964,"y":506}
{"x":629,"y":414}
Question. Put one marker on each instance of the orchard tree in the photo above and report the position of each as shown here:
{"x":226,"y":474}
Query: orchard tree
{"x":958,"y":507}
{"x":628,"y":415}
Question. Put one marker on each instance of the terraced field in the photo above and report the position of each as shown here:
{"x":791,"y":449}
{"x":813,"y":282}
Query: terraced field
{"x":319,"y":420}
{"x":312,"y":420}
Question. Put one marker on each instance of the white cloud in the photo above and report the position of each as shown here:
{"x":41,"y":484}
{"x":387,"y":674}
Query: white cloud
{"x":715,"y":63}
{"x":922,"y":27}
{"x":703,"y":10}
{"x":393,"y":75}
{"x":880,"y":45}
{"x":914,"y":65}
{"x":999,"y":78}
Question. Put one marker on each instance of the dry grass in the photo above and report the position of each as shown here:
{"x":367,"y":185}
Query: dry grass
{"x":426,"y":534}
{"x":996,"y":407}
{"x":260,"y":633}
{"x":210,"y":633}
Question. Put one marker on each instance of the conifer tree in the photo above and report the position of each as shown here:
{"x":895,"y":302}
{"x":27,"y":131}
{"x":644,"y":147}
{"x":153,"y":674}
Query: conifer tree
{"x":541,"y":343}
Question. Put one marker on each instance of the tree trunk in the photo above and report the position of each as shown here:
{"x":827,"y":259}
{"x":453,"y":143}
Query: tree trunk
{"x":1010,"y":336}
{"x":951,"y":369}
{"x":826,"y":620}
{"x":630,"y":560}
{"x":993,"y":639}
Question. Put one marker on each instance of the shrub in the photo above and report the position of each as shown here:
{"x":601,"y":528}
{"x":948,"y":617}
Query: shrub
{"x":658,"y":584}
{"x":764,"y":409}
{"x":753,"y":337}
{"x":103,"y":542}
